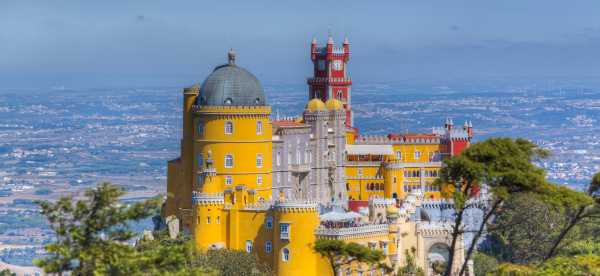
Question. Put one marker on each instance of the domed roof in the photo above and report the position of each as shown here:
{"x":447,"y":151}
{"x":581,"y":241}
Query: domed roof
{"x":315,"y":105}
{"x":334,"y":104}
{"x":230,"y":84}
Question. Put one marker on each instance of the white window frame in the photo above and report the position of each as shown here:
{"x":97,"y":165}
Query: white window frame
{"x":228,"y":127}
{"x":228,"y":180}
{"x":227,"y":157}
{"x":249,"y":246}
{"x":259,"y":180}
{"x":268,"y":246}
{"x":284,"y":234}
{"x":278,"y":158}
{"x":285,"y":254}
{"x":259,"y":127}
{"x":259,"y":160}
{"x":417,"y":155}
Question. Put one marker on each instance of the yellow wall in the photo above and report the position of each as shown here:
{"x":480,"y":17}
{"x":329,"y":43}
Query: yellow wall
{"x":359,"y":184}
{"x":244,"y":144}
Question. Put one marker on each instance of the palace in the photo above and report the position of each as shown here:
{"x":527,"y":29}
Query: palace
{"x":272,"y":187}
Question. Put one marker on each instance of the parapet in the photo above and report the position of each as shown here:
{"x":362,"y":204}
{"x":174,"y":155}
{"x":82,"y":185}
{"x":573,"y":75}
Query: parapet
{"x":294,"y":205}
{"x":228,"y":109}
{"x":207,"y":198}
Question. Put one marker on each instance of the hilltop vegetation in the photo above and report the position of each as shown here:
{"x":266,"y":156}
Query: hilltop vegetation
{"x":93,"y":238}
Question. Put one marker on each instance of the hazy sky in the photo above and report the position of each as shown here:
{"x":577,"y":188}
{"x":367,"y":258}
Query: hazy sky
{"x":182,"y":41}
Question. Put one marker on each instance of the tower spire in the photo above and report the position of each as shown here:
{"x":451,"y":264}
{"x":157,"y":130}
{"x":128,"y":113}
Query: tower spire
{"x":231,"y":56}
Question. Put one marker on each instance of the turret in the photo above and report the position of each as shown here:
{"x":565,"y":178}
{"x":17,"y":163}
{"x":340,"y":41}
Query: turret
{"x":296,"y":222}
{"x":346,"y":49}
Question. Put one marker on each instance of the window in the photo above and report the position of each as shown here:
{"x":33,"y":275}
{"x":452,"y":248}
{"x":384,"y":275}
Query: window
{"x":218,"y":219}
{"x":289,"y":174}
{"x":289,"y":161}
{"x":200,"y":161}
{"x":285,"y":254}
{"x":258,"y":127}
{"x":228,"y":180}
{"x":228,"y":127}
{"x":298,"y":157}
{"x":259,"y":180}
{"x":306,"y":156}
{"x":228,"y":161}
{"x":268,"y":246}
{"x":398,"y":155}
{"x":269,"y":222}
{"x":360,"y":171}
{"x":318,"y":93}
{"x":278,"y":158}
{"x":395,"y":180}
{"x":278,"y":178}
{"x":259,"y":160}
{"x":417,"y":155}
{"x":248,"y":246}
{"x":284,"y":231}
{"x":208,"y":220}
{"x":200,"y":128}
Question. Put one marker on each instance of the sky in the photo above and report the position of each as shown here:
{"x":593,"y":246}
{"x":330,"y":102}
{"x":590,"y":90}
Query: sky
{"x":180,"y":42}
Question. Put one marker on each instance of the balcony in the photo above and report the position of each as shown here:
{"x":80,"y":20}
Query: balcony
{"x":299,"y":168}
{"x":349,"y":231}
{"x":329,"y":81}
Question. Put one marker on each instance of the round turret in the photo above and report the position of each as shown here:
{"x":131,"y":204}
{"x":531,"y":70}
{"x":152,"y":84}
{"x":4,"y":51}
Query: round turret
{"x":315,"y":105}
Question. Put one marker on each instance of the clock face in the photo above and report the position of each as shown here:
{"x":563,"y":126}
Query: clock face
{"x":321,"y":65}
{"x":338,"y":65}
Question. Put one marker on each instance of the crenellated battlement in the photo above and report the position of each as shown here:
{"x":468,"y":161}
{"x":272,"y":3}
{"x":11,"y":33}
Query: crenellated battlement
{"x":231,"y":109}
{"x":199,"y":198}
{"x":296,"y":205}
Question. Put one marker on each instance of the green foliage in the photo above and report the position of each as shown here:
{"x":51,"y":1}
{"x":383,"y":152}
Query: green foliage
{"x":483,"y":264}
{"x":523,"y":232}
{"x":411,"y":268}
{"x":7,"y":272}
{"x":340,"y":253}
{"x":585,"y":265}
{"x":164,"y":256}
{"x":93,"y":235}
{"x":504,"y":165}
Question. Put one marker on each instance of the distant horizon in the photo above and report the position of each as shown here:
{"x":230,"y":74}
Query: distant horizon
{"x":180,"y":43}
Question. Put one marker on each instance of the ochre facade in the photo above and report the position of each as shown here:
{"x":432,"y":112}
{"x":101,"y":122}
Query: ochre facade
{"x":273,"y":186}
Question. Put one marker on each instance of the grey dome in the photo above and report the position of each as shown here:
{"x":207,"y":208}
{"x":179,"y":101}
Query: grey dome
{"x":230,"y":84}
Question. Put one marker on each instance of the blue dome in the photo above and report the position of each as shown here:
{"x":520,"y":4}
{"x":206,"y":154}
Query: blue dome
{"x":230,"y":84}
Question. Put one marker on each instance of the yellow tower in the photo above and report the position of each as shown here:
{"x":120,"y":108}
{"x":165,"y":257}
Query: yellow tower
{"x":232,"y":147}
{"x":294,"y":239}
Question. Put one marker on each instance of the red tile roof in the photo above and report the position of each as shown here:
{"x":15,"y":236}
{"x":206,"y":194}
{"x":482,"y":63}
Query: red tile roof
{"x":287,"y":123}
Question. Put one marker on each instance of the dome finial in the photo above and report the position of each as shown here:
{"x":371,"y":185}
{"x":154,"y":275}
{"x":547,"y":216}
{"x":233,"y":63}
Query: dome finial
{"x":231,"y":56}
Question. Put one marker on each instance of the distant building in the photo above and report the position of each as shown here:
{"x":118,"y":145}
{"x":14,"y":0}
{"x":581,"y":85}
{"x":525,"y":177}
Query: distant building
{"x":272,"y":187}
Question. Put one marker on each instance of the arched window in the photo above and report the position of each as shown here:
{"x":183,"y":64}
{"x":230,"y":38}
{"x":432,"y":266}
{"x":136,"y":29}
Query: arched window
{"x":258,"y":127}
{"x":269,"y":222}
{"x":248,"y":246}
{"x":268,"y":246}
{"x":398,"y":155}
{"x":340,"y":94}
{"x":228,"y":161}
{"x":417,"y":155}
{"x":259,"y":160}
{"x":228,"y":127}
{"x":200,"y":128}
{"x":200,"y":161}
{"x":285,"y":254}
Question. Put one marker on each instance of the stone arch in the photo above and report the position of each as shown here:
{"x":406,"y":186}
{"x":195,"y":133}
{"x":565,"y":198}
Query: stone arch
{"x":438,"y":253}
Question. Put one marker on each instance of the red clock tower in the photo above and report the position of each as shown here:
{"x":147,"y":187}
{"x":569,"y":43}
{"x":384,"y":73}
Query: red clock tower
{"x":330,"y":78}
